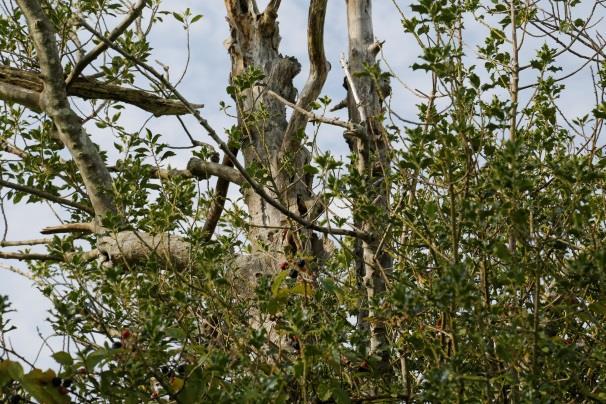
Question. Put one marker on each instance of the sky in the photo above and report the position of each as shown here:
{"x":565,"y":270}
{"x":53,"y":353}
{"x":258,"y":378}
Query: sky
{"x":205,"y":83}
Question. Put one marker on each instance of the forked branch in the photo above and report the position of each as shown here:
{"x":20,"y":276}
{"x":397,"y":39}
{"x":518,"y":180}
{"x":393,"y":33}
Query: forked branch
{"x":54,"y":102}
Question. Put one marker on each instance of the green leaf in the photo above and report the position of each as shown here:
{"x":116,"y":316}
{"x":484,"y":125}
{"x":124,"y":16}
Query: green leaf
{"x":63,"y":358}
{"x":178,"y":17}
{"x":278,"y":280}
{"x":38,"y":384}
{"x":10,"y":370}
{"x":600,"y":111}
{"x":96,"y":357}
{"x":309,"y":169}
{"x":324,"y":391}
{"x":194,"y":387}
{"x":598,"y":308}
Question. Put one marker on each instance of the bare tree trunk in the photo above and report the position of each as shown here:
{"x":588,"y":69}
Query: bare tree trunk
{"x":371,"y":152}
{"x":269,"y":143}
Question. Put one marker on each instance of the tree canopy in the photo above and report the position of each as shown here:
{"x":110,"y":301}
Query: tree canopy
{"x":453,"y":254}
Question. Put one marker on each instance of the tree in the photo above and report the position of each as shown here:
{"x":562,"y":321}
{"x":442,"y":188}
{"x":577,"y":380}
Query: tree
{"x":469,"y":262}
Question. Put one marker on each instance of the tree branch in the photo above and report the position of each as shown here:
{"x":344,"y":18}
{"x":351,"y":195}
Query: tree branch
{"x":204,"y":169}
{"x":198,"y":169}
{"x":25,"y":242}
{"x":318,"y":72}
{"x":102,"y":46}
{"x":26,"y":86}
{"x":272,"y":8}
{"x":95,"y":175}
{"x":23,"y":96}
{"x":18,"y":271}
{"x":317,"y":118}
{"x":46,"y":195}
{"x":133,"y":246}
{"x":218,"y":203}
{"x":70,"y":228}
{"x":67,"y":257}
{"x":354,"y":90}
{"x":12,"y":149}
{"x":29,"y":256}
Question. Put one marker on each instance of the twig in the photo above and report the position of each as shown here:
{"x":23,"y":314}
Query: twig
{"x":18,"y":271}
{"x":352,"y":86}
{"x":317,"y":118}
{"x":46,"y":195}
{"x":102,"y":46}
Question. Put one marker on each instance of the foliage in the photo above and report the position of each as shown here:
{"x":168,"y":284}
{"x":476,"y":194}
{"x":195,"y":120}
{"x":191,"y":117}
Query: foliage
{"x":496,"y":230}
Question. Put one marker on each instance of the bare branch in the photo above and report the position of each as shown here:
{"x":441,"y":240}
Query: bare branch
{"x":23,"y":96}
{"x":70,"y":228}
{"x":12,"y":149}
{"x":67,"y":257}
{"x":18,"y":271}
{"x":134,"y":246}
{"x":198,"y":169}
{"x":204,"y":169}
{"x":47,"y":196}
{"x":29,"y":85}
{"x":319,"y":68}
{"x":352,"y":86}
{"x":317,"y":118}
{"x":272,"y":8}
{"x":25,"y":242}
{"x":102,"y":46}
{"x":218,"y":204}
{"x":29,"y":256}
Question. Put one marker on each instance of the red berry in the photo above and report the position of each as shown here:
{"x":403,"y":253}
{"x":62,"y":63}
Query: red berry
{"x":284,"y":265}
{"x":126,"y":334}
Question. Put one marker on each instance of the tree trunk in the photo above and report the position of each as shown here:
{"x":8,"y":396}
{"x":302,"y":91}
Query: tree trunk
{"x":372,"y":162}
{"x":254,"y":43}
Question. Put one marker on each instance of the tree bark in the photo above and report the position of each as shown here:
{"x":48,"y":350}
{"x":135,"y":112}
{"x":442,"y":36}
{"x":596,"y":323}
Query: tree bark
{"x":53,"y":100}
{"x":372,"y":160}
{"x":254,"y":43}
{"x":25,"y":87}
